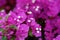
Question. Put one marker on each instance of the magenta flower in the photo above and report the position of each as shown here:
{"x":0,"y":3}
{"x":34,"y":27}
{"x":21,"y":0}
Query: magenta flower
{"x":2,"y":16}
{"x":22,"y":32}
{"x":20,"y":19}
{"x":36,"y":30}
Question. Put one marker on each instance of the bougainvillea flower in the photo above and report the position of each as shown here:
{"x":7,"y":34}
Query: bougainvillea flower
{"x":22,"y":31}
{"x":20,"y":19}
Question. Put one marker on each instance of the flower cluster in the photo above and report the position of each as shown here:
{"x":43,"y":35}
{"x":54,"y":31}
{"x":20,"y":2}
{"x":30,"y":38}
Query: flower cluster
{"x":22,"y":18}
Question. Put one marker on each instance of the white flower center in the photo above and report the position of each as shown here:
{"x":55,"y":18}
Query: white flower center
{"x":29,"y":20}
{"x":38,"y":31}
{"x":18,"y":20}
{"x":37,"y":8}
{"x":29,"y":12}
{"x":37,"y":28}
{"x":19,"y":16}
{"x":33,"y":1}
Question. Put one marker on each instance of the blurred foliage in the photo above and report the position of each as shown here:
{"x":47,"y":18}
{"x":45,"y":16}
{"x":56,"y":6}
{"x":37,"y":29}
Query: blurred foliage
{"x":4,"y":38}
{"x":1,"y":29}
{"x":30,"y":33}
{"x":13,"y":38}
{"x":12,"y":26}
{"x":1,"y":8}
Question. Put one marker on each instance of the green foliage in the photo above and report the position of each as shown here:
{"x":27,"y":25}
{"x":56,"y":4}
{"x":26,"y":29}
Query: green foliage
{"x":4,"y":38}
{"x":30,"y":33}
{"x":12,"y":26}
{"x":1,"y":29}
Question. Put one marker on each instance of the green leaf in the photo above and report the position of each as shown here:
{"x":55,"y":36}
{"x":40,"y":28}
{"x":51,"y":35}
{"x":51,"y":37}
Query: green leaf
{"x":13,"y":38}
{"x":1,"y":29}
{"x":4,"y":38}
{"x":12,"y":26}
{"x":30,"y":33}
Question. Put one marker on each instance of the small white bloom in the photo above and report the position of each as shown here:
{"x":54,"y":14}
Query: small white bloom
{"x":14,"y":18}
{"x":27,"y":6}
{"x":37,"y":8}
{"x":18,"y":20}
{"x":37,"y":28}
{"x":33,"y":1}
{"x":19,"y":16}
{"x":29,"y":12}
{"x":32,"y":18}
{"x":2,"y":10}
{"x":29,"y":20}
{"x":38,"y":31}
